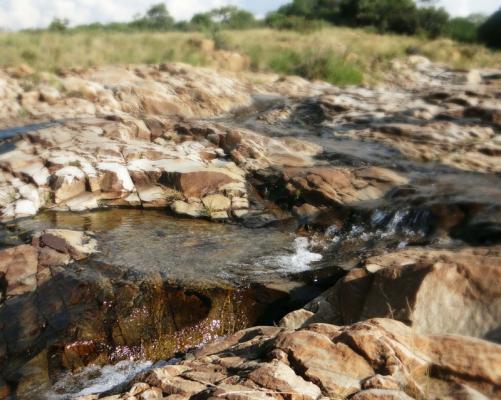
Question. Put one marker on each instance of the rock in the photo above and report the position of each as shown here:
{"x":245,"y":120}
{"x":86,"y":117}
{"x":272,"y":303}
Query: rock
{"x":216,"y":202}
{"x":25,"y":208}
{"x":194,"y":210}
{"x":78,"y":245}
{"x":68,"y":182}
{"x":49,"y":94}
{"x":22,"y":71}
{"x":323,"y":361}
{"x":335,"y":368}
{"x":296,"y":319}
{"x":18,"y":267}
{"x":232,"y":61}
{"x":328,"y":186}
{"x":199,"y":183}
{"x":281,"y":378}
{"x":474,"y":77}
{"x":382,"y":394}
{"x":435,"y":291}
{"x":114,"y":178}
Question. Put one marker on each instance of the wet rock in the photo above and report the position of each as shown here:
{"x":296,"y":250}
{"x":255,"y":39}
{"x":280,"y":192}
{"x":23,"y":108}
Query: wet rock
{"x":18,"y":266}
{"x":78,"y":245}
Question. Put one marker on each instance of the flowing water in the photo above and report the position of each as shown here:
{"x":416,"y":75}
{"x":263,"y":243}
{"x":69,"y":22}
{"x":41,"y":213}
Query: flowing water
{"x":185,"y":250}
{"x":159,"y":285}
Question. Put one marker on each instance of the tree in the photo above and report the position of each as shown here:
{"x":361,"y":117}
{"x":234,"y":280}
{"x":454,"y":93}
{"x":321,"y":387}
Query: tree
{"x":399,"y":16}
{"x":232,"y":17}
{"x":157,"y":18}
{"x":433,"y":21}
{"x":462,"y":30}
{"x":489,"y":32}
{"x":202,"y":21}
{"x":229,"y":17}
{"x":59,"y":25}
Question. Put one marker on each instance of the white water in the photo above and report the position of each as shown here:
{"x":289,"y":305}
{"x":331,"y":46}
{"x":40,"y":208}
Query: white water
{"x":95,"y":379}
{"x":298,"y":260}
{"x":402,"y":223}
{"x":301,"y":259}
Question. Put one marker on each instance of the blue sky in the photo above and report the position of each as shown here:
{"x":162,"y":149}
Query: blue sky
{"x":15,"y":14}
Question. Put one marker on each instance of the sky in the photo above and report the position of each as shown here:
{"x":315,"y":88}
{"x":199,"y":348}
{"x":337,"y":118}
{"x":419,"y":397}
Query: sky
{"x":17,"y":14}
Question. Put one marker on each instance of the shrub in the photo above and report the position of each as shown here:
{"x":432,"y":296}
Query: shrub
{"x":156,"y":18}
{"x":462,"y":30}
{"x":294,"y":23}
{"x":489,"y":32}
{"x":59,"y":25}
{"x":432,"y":21}
{"x":311,"y":65}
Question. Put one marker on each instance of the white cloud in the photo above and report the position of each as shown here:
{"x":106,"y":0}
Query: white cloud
{"x":466,"y":7}
{"x":15,"y":14}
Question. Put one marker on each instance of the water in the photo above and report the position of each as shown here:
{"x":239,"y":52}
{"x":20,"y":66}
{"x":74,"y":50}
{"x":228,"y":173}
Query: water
{"x":177,"y":283}
{"x":95,"y":379}
{"x":298,"y":260}
{"x":16,"y":131}
{"x":183,"y":250}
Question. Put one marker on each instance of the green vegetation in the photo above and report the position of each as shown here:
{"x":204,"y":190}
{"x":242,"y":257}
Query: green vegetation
{"x":338,"y":55}
{"x":325,"y":65}
{"x":490,"y":31}
{"x":301,"y":39}
{"x":404,"y":17}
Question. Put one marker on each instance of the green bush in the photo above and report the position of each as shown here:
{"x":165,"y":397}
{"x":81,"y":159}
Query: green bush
{"x":156,"y":18}
{"x":399,"y":16}
{"x":489,"y":32}
{"x":327,"y":66}
{"x":59,"y":25}
{"x":462,"y":30}
{"x":294,"y":23}
{"x":229,"y":17}
{"x":432,"y":21}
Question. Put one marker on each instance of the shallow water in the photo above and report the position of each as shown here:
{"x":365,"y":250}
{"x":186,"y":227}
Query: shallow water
{"x":185,"y":250}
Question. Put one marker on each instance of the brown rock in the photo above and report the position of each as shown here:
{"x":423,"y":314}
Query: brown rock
{"x":78,"y":245}
{"x":197,"y":184}
{"x":381,"y":394}
{"x":334,"y":367}
{"x":19,"y":267}
{"x":282,"y":379}
{"x":437,"y":291}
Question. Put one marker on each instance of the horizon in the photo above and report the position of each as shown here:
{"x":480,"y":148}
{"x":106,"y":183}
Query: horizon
{"x":25,"y":14}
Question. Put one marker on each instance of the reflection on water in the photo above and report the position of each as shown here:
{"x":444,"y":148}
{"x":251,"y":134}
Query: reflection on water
{"x":149,"y":241}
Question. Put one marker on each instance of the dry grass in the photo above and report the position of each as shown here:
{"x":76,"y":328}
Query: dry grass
{"x":339,"y":55}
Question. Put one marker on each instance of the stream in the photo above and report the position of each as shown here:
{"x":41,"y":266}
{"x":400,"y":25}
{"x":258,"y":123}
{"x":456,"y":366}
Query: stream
{"x":158,"y":286}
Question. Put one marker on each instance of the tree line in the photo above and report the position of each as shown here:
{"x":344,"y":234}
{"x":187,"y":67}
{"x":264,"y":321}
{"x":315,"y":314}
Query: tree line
{"x":407,"y":17}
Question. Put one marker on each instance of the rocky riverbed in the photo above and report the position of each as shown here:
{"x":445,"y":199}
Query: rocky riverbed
{"x":150,"y":213}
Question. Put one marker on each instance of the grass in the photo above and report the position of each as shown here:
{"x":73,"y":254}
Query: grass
{"x":338,"y":55}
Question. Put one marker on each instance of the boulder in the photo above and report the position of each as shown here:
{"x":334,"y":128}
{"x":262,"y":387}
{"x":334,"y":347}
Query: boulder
{"x":18,"y":268}
{"x":434,"y":291}
{"x":194,"y":210}
{"x":199,"y":183}
{"x":375,"y":359}
{"x":78,"y":245}
{"x":339,"y":186}
{"x":68,"y":182}
{"x":216,"y":202}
